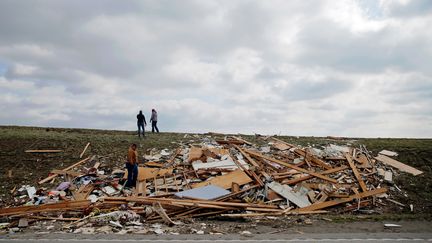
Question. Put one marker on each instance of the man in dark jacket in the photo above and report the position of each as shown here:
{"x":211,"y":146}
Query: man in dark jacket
{"x":141,"y":122}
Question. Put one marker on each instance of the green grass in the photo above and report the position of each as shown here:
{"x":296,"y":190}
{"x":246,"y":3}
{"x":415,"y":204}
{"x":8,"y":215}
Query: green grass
{"x":112,"y":146}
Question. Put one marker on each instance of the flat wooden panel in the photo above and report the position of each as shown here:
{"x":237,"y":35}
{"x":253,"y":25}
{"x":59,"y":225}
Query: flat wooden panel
{"x":145,"y":173}
{"x":398,"y":165}
{"x":195,"y":152}
{"x":225,"y":181}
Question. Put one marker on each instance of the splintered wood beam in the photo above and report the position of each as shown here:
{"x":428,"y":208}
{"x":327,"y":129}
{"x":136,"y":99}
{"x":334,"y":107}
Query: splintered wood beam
{"x":252,"y":161}
{"x":356,"y":173}
{"x":321,"y":205}
{"x":302,"y":152}
{"x":68,"y":168}
{"x":241,"y":139}
{"x":303,"y":178}
{"x":85,"y":148}
{"x":250,"y":173}
{"x":229,"y":142}
{"x":281,"y":141}
{"x":44,"y":151}
{"x":68,"y":205}
{"x":292,"y":166}
{"x":313,"y":159}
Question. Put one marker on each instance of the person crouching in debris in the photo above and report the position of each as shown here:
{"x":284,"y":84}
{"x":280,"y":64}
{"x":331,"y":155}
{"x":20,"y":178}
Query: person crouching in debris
{"x":132,"y":166}
{"x":141,"y":122}
{"x":153,"y":121}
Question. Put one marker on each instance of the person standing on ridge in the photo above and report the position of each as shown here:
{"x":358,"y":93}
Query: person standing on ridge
{"x":141,"y":122}
{"x":154,"y":120}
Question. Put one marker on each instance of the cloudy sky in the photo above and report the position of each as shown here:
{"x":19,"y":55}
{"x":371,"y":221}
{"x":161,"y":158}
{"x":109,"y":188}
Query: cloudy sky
{"x":342,"y":68}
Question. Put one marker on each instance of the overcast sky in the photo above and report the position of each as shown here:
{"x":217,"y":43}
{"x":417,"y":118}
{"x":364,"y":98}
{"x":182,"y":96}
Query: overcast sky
{"x":342,"y":68}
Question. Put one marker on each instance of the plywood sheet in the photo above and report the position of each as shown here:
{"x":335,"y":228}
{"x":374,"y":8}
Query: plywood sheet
{"x":196,"y":153}
{"x":225,"y":181}
{"x":281,"y":146}
{"x":398,"y":165}
{"x":145,"y":173}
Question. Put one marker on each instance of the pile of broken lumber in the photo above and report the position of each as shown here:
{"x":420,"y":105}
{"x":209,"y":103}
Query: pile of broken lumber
{"x":228,"y":177}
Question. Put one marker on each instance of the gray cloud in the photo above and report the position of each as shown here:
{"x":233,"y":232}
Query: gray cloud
{"x":301,"y":68}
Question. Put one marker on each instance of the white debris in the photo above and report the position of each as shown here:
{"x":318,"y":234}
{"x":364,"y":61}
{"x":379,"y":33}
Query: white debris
{"x":165,"y":152}
{"x":31,"y":191}
{"x":388,"y":176}
{"x":116,"y":224}
{"x":265,"y":149}
{"x":388,"y":153}
{"x":392,"y":225}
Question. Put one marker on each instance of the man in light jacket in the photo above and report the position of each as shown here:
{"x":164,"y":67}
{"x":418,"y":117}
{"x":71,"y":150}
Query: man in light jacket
{"x":154,"y":120}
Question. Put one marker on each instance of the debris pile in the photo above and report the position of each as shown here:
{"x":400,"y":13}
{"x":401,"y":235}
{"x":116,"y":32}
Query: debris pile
{"x":227,"y":177}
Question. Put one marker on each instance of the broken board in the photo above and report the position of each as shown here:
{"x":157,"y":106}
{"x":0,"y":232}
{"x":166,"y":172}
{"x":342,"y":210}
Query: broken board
{"x":299,"y":199}
{"x":398,"y":165}
{"x":196,"y":153}
{"x":145,"y":173}
{"x":225,"y":181}
{"x":224,"y":164}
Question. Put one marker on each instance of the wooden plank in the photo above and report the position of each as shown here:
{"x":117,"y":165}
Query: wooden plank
{"x":67,"y":168}
{"x":225,"y":181}
{"x":248,"y":158}
{"x":161,"y":211}
{"x":246,"y":215}
{"x":281,"y":146}
{"x":303,"y":178}
{"x":195,"y":153}
{"x":44,"y":151}
{"x":85,"y":148}
{"x":190,"y":201}
{"x":145,"y":173}
{"x":242,"y":140}
{"x":67,"y":205}
{"x":53,"y":218}
{"x":230,"y":142}
{"x":398,"y":165}
{"x":154,"y":164}
{"x":312,"y":158}
{"x":321,"y":205}
{"x":83,"y":192}
{"x":292,"y":166}
{"x":249,"y":173}
{"x":283,"y":142}
{"x":356,"y":173}
{"x":67,"y":172}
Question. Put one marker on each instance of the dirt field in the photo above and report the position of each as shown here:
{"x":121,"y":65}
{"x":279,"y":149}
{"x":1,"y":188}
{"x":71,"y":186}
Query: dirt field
{"x":19,"y":168}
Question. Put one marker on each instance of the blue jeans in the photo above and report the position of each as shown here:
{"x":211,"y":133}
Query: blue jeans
{"x":132,"y":174}
{"x":140,"y":125}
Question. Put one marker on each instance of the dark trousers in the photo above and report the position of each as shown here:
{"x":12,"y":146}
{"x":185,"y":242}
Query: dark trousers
{"x":141,"y":125}
{"x":132,"y":174}
{"x":154,"y":123}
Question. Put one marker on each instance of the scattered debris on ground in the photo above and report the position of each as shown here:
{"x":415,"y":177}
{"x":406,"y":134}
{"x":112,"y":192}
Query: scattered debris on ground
{"x":229,"y":178}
